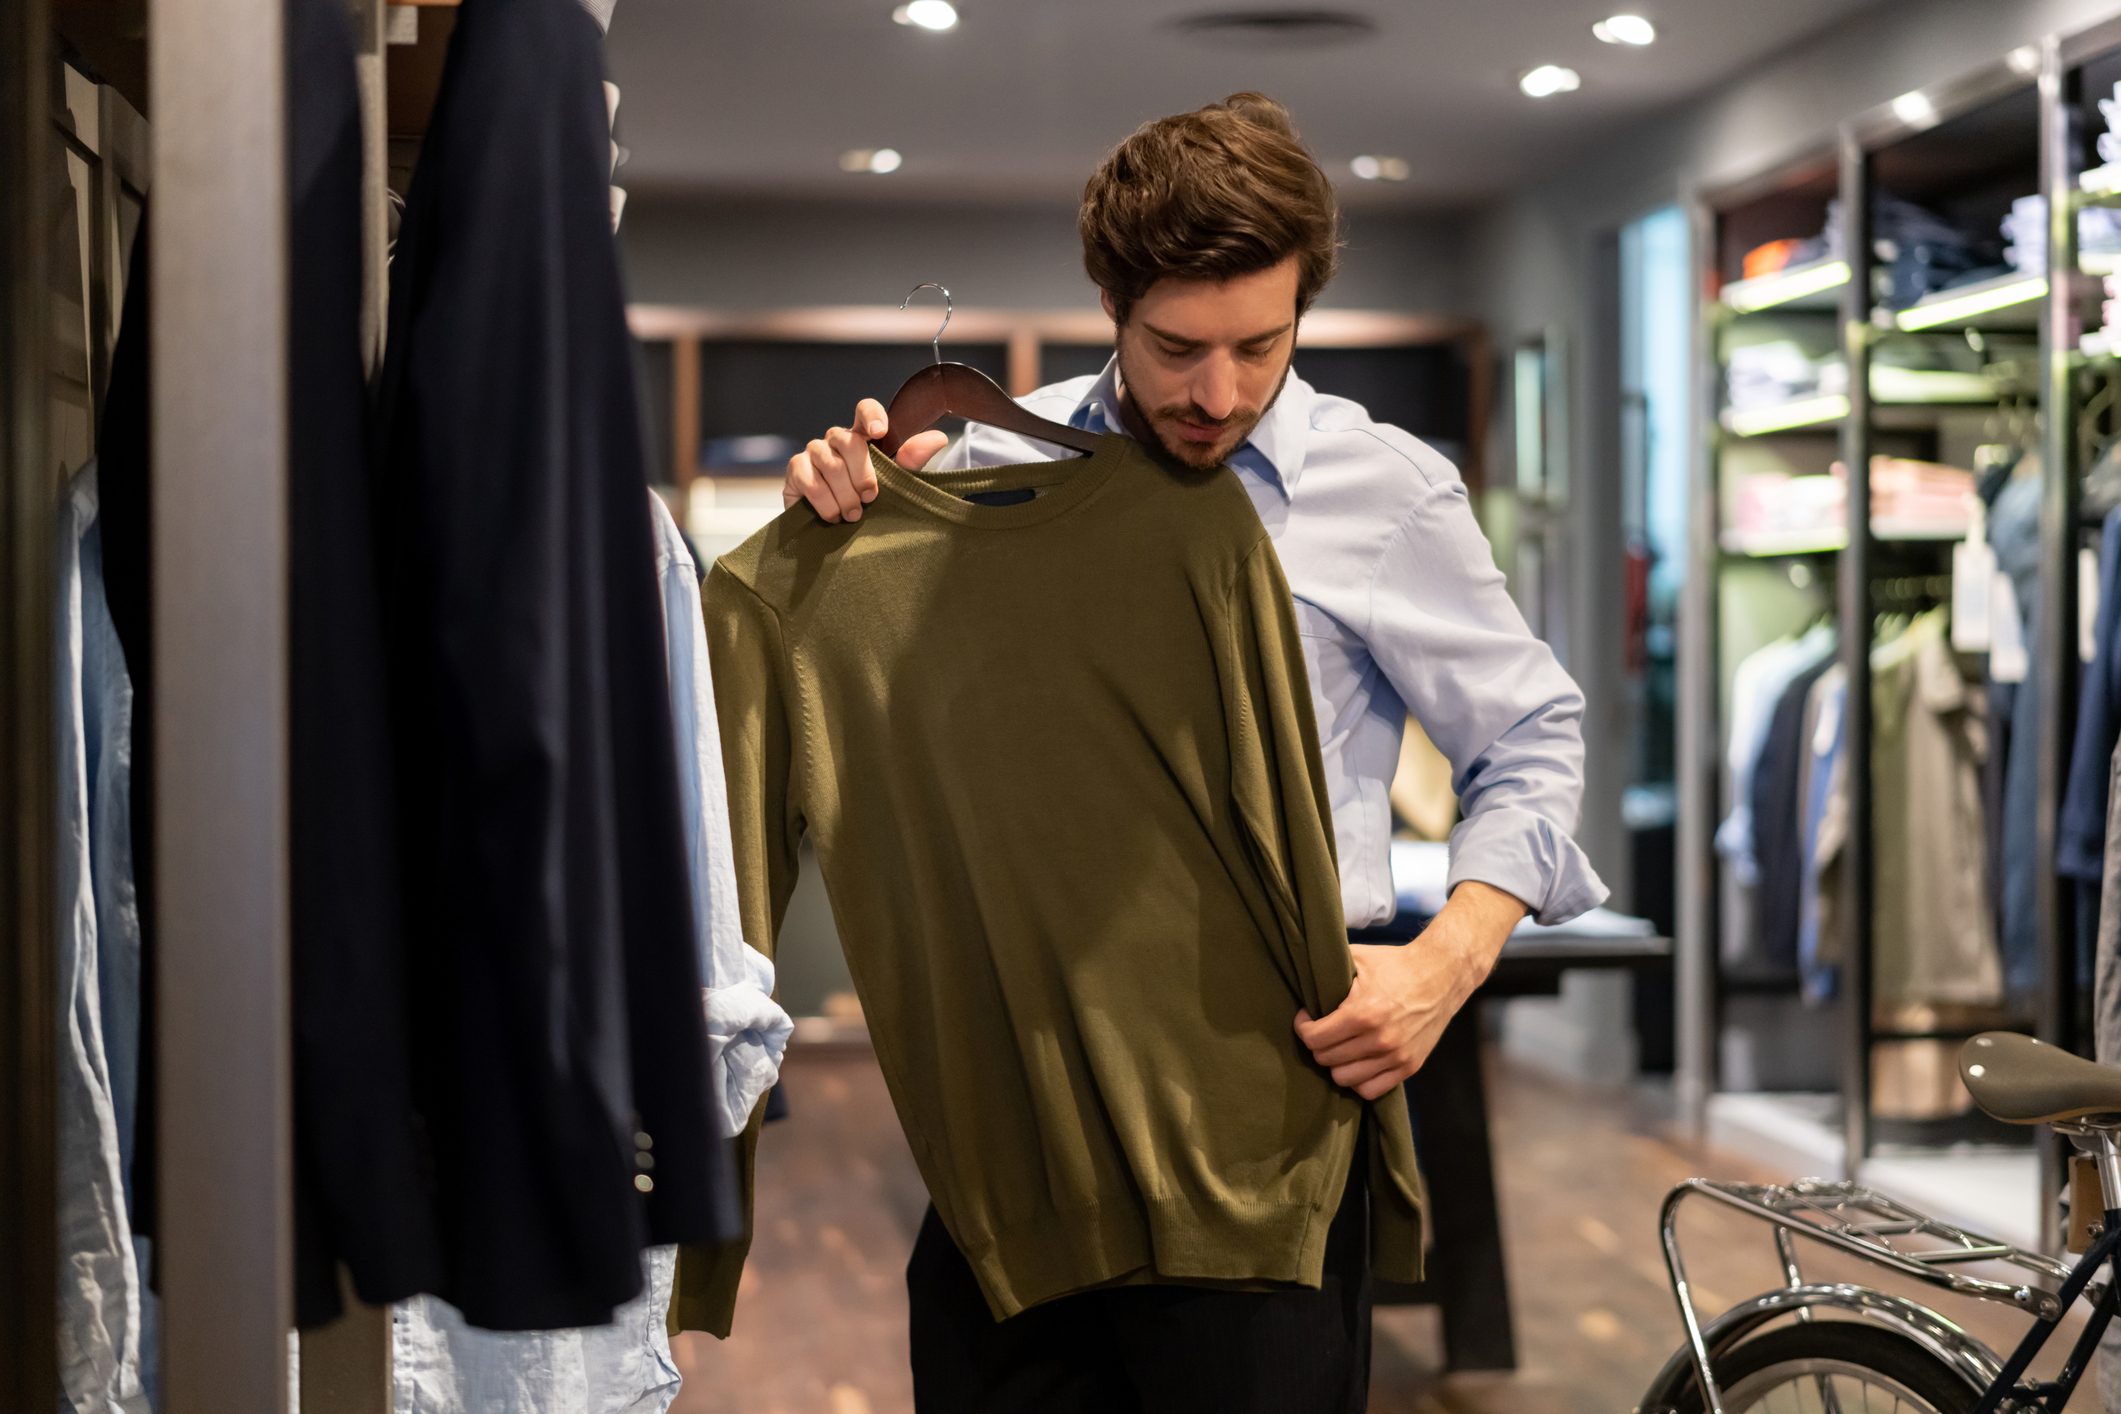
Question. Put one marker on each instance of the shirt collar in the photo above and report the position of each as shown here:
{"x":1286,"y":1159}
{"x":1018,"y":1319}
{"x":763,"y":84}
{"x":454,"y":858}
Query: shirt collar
{"x":1275,"y":448}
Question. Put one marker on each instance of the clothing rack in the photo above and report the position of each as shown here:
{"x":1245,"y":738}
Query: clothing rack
{"x":216,"y":71}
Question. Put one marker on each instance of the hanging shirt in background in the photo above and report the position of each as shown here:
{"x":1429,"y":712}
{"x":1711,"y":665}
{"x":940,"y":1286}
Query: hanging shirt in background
{"x":2014,"y":533}
{"x":747,"y":1032}
{"x":2082,"y":851}
{"x":101,"y":1290}
{"x":1758,"y":685}
{"x":1756,"y":688}
{"x":1824,"y":732}
{"x":1081,"y":866}
{"x":1931,"y":937}
{"x":1778,"y":825}
{"x":441,"y":1365}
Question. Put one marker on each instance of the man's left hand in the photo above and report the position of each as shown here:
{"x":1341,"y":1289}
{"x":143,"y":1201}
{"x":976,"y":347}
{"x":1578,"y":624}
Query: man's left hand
{"x":1403,"y":997}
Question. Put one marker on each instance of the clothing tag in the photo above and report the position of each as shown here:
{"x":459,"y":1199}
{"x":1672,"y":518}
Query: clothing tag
{"x":2087,"y":604}
{"x":2007,"y":661}
{"x":1973,"y":566}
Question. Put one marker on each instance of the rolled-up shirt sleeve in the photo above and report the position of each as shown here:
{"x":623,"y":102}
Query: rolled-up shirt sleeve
{"x":1446,"y":634}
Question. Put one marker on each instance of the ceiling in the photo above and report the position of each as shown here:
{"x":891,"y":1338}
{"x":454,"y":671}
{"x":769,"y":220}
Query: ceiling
{"x":757,"y":97}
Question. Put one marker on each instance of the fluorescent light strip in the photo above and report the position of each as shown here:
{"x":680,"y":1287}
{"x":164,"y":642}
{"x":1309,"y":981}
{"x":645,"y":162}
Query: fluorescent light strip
{"x":1767,"y":291}
{"x":1771,"y":544}
{"x":1806,"y":412}
{"x":1969,"y":306}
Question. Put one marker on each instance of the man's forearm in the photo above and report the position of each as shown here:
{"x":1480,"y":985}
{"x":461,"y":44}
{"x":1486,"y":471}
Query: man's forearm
{"x":1475,"y":921}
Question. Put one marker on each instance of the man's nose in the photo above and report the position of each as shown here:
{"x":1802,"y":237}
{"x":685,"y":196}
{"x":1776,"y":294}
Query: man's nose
{"x":1215,"y":389}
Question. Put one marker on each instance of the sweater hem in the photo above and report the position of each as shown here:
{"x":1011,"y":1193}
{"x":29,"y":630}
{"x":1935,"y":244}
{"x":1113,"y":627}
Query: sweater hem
{"x":1170,"y":1243}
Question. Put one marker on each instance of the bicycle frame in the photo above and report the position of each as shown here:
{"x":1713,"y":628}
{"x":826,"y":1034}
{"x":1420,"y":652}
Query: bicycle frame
{"x":1865,"y":1224}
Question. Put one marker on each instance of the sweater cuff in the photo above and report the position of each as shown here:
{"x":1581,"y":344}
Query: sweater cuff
{"x":1527,"y":857}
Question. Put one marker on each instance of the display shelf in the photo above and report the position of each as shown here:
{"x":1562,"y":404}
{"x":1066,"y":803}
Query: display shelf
{"x":1801,"y":415}
{"x":1775,"y":544}
{"x":2006,"y":302}
{"x":2101,"y":186}
{"x":1806,"y":287}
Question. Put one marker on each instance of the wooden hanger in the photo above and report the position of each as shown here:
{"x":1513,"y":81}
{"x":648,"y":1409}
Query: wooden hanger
{"x":958,"y":390}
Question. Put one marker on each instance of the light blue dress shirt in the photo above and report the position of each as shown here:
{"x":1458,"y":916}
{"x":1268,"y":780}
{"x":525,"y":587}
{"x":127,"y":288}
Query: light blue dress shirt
{"x":747,"y":1032}
{"x":1402,"y":611}
{"x":107,"y":1356}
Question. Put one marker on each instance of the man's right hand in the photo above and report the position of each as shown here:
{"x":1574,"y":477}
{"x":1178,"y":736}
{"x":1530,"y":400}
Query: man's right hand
{"x":833,"y":473}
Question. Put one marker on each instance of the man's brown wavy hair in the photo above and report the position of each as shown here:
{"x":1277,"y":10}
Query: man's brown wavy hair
{"x":1225,"y":190}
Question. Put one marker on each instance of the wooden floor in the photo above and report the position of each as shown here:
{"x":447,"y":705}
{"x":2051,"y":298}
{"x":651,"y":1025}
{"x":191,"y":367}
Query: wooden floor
{"x":822,"y":1319}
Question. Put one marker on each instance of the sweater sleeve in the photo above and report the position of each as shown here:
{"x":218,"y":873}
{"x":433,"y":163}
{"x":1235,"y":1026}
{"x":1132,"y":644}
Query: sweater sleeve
{"x":1278,"y":786}
{"x":749,"y":661}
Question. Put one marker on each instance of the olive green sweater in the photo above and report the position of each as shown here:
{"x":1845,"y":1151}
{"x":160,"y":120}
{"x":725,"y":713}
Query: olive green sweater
{"x":1058,"y":763}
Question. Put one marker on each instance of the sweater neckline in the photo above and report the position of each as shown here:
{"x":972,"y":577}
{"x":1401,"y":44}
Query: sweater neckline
{"x":1068,"y":483}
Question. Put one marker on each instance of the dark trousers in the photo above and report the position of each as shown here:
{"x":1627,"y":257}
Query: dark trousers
{"x":1152,"y":1349}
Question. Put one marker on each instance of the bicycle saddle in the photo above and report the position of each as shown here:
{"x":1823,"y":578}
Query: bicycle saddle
{"x":2023,"y":1081}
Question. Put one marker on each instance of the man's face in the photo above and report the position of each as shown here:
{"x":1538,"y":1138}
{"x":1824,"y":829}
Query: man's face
{"x":1201,"y":361}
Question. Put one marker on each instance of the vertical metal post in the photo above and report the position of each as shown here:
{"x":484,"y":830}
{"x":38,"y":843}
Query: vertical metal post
{"x":29,"y":1240}
{"x":219,"y":374}
{"x":1699,"y":766}
{"x":684,"y":410}
{"x":1855,"y":622}
{"x":2057,"y":661}
{"x":370,"y":48}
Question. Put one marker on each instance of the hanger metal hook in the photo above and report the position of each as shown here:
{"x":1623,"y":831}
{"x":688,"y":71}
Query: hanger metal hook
{"x":949,"y":308}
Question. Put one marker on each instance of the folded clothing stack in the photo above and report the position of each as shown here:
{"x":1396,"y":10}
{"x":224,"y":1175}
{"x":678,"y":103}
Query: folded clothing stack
{"x":2110,"y":140}
{"x":1769,"y":374}
{"x":1917,"y":496}
{"x":1918,"y":251}
{"x":2025,"y":234}
{"x":1770,"y":505}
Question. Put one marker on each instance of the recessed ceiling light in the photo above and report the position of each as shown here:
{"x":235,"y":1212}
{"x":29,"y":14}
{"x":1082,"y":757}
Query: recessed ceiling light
{"x":1550,"y":79}
{"x":1380,"y":169}
{"x":937,"y":15}
{"x":879,"y":160}
{"x":1626,"y":29}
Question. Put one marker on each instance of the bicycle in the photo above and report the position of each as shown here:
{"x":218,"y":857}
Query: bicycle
{"x":1847,"y":1349}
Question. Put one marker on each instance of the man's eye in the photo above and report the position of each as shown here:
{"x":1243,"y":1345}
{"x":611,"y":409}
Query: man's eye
{"x":1170,"y":352}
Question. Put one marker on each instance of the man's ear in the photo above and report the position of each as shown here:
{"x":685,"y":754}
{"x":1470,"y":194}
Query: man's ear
{"x":1104,"y":297}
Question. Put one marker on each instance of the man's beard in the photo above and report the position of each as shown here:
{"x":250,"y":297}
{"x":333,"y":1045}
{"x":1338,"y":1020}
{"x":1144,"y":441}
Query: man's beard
{"x":1198,"y":455}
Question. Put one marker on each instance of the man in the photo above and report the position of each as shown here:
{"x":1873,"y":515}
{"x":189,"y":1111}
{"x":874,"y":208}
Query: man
{"x":1210,"y":234}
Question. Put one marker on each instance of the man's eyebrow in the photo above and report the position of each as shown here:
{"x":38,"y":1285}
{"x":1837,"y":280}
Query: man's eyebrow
{"x":1267,"y":336}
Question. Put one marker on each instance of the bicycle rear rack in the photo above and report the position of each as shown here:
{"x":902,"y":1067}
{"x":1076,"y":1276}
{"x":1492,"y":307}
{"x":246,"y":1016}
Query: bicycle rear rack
{"x":1866,"y":1224}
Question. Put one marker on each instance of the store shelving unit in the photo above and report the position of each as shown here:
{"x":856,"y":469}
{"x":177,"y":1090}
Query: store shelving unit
{"x":1752,"y":584}
{"x":1965,"y":151}
{"x":1964,"y":148}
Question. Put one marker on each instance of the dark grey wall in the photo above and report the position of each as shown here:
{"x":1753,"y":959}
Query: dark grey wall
{"x":770,"y":254}
{"x":1537,"y":260}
